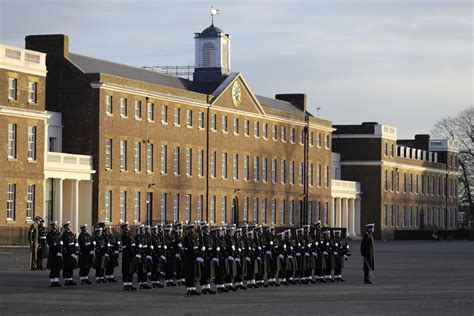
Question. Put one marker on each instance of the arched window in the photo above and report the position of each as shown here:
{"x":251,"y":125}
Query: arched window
{"x":208,"y":55}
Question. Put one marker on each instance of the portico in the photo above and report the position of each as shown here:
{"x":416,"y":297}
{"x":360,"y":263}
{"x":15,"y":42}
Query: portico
{"x":345,"y":212}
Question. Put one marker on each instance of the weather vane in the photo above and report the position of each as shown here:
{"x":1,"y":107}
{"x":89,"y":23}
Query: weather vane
{"x":213,"y":11}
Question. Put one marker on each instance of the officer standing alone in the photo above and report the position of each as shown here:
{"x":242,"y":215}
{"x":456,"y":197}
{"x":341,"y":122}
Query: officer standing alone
{"x":367,"y":252}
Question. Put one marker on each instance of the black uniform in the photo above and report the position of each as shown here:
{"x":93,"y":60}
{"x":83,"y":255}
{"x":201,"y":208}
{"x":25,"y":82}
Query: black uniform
{"x":55,"y":256}
{"x":86,"y":256}
{"x":112,"y":256}
{"x":128,"y":254}
{"x":69,"y":255}
{"x":100,"y":259}
{"x":206,"y":251}
{"x":191,"y":248}
{"x":42,"y":247}
{"x":367,"y":252}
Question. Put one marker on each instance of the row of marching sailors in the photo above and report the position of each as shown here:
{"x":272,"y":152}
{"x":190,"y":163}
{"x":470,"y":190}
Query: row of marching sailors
{"x":68,"y":252}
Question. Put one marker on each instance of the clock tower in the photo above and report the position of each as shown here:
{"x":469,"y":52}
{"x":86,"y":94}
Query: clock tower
{"x":212,"y":55}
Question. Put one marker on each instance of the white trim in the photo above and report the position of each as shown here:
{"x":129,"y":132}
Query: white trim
{"x":395,"y":165}
{"x":363,"y":136}
{"x":11,"y":111}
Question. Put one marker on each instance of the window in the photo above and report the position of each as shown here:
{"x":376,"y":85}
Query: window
{"x":164,"y":159}
{"x":318,"y":211}
{"x":392,"y":149}
{"x":12,"y":141}
{"x":327,"y":142}
{"x":246,"y":127}
{"x":108,"y":205}
{"x":292,"y":212}
{"x":188,"y":207}
{"x":149,"y":157}
{"x":318,"y":140}
{"x":300,"y":173}
{"x":108,"y":154}
{"x":256,"y":167}
{"x":32,"y":92}
{"x":311,"y":138}
{"x":257,"y":129}
{"x":326,"y":217}
{"x":224,"y":165}
{"x":200,"y":207}
{"x":138,"y":157}
{"x":201,"y":120}
{"x":283,"y":134}
{"x":30,"y":201}
{"x":236,"y":126}
{"x":123,"y":206}
{"x":264,"y":169}
{"x":189,"y":162}
{"x":265,"y":130}
{"x":390,"y":216}
{"x":200,"y":162}
{"x":138,"y":110}
{"x":282,"y":212}
{"x":213,"y":122}
{"x":273,"y":211}
{"x":311,"y":173}
{"x":292,"y":172}
{"x":283,"y":171}
{"x":136,"y":207}
{"x":397,"y":181}
{"x":275,"y":132}
{"x":11,"y":202}
{"x":163,"y":206}
{"x":176,"y":161}
{"x":410,"y":215}
{"x":108,"y":104}
{"x":177,"y":116}
{"x":123,"y":107}
{"x":300,"y":136}
{"x":247,"y":168}
{"x":385,"y":149}
{"x":385,"y":215}
{"x":416,"y":216}
{"x":224,"y":209}
{"x":52,"y":144}
{"x":416,"y":184}
{"x":385,"y":180}
{"x":410,"y":184}
{"x":255,"y":210}
{"x":392,"y":178}
{"x":326,"y":176}
{"x":235,"y":167}
{"x":12,"y":88}
{"x":213,"y":164}
{"x":189,"y":118}
{"x":224,"y":124}
{"x":123,"y":155}
{"x":213,"y":209}
{"x":274,"y":170}
{"x":397,"y":216}
{"x":264,"y":211}
{"x":292,"y":135}
{"x":422,"y":184}
{"x":319,"y":175}
{"x":246,"y":209}
{"x":176,"y":207}
{"x":404,"y":183}
{"x":164,"y":114}
{"x":31,"y":142}
{"x":150,"y":112}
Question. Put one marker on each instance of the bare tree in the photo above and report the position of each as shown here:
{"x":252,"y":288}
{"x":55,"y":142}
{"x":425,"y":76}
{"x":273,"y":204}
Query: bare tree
{"x":461,"y":129}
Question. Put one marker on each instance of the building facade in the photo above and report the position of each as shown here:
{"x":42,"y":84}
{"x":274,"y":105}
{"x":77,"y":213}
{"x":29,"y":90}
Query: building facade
{"x":173,"y":150}
{"x":407,"y":184}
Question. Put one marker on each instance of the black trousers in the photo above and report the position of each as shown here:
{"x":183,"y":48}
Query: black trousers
{"x":54,"y":273}
{"x":205,"y":273}
{"x":127,"y":277}
{"x":109,"y":270}
{"x":219,"y":270}
{"x":84,"y":271}
{"x":67,"y":273}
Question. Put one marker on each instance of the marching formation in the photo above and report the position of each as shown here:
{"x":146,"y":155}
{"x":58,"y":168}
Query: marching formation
{"x":232,"y":258}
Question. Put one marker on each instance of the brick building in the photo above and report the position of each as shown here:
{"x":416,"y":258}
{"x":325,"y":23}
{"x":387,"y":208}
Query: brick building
{"x":169,"y":149}
{"x":407,"y":184}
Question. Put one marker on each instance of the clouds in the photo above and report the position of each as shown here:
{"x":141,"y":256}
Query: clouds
{"x":405,"y":63}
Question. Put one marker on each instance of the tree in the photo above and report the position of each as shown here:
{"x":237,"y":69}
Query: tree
{"x":461,"y":129}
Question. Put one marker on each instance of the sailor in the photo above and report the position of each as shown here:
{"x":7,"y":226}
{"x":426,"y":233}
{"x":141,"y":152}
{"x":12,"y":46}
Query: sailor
{"x":113,"y":246}
{"x":206,"y":251}
{"x":239,"y":259}
{"x":367,"y":252}
{"x":341,"y":252}
{"x":128,"y":254}
{"x":328,"y":256}
{"x":191,"y":248}
{"x":156,"y":253}
{"x":218,"y":259}
{"x":42,"y":245}
{"x":271,"y":255}
{"x":55,"y":256}
{"x":230,"y":251}
{"x":86,"y":254}
{"x":318,"y":253}
{"x":70,"y":258}
{"x":310,"y":255}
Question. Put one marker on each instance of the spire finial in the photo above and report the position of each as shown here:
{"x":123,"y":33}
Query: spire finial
{"x":213,"y":11}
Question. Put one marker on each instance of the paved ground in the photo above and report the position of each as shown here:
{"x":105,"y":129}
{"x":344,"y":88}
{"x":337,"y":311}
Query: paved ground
{"x":412,"y":277}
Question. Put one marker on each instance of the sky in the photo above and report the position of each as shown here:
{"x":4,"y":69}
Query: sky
{"x":405,"y":63}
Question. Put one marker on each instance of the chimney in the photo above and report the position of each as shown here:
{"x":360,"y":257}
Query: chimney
{"x":55,"y":45}
{"x":298,"y":100}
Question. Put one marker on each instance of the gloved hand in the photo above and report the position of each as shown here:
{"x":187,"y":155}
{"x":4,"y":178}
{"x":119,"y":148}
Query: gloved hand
{"x":59,"y":254}
{"x":325,"y":253}
{"x":199,"y":259}
{"x":138,"y":256}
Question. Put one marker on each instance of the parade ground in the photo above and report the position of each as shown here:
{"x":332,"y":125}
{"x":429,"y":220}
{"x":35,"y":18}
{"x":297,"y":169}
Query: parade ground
{"x":411,"y":277}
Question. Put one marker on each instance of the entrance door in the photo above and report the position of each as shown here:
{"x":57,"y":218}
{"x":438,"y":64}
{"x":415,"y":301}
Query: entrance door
{"x":235,"y":211}
{"x":149,"y":208}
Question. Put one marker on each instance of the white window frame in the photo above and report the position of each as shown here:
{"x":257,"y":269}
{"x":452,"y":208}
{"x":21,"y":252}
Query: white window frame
{"x":163,"y":206}
{"x":235,"y":167}
{"x":201,"y":163}
{"x":189,"y":162}
{"x":30,"y":201}
{"x":109,"y":105}
{"x":176,"y":161}
{"x":164,"y":114}
{"x":189,"y":118}
{"x":256,"y":167}
{"x":136,"y":206}
{"x":255,"y":209}
{"x":108,"y":205}
{"x":200,"y":205}
{"x":123,"y":108}
{"x":177,"y":116}
{"x":224,"y":210}
{"x":224,"y":165}
{"x":12,"y":143}
{"x":149,"y":158}
{"x":224,"y":124}
{"x":164,"y":159}
{"x":123,"y":155}
{"x":176,"y":207}
{"x":283,"y":172}
{"x":189,"y":201}
{"x":201,"y":120}
{"x":123,"y":206}
{"x":246,"y":127}
{"x":150,"y":112}
{"x":213,"y":209}
{"x":214,"y":122}
{"x":236,"y":126}
{"x":11,"y":202}
{"x":213,"y":162}
{"x":12,"y":88}
{"x":32,"y":143}
{"x":256,"y":129}
{"x":32,"y":92}
{"x":138,"y":157}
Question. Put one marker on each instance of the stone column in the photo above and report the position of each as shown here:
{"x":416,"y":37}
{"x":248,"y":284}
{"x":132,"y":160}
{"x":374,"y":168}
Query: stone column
{"x":352,"y":217}
{"x":75,"y":205}
{"x":339,"y":213}
{"x":60,"y":203}
{"x":345,"y":216}
{"x":357,"y":216}
{"x":45,"y":194}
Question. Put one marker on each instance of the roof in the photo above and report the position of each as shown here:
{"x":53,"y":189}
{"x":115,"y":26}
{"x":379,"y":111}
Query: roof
{"x":93,"y":65}
{"x":279,"y":105}
{"x":211,"y":31}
